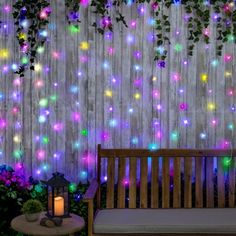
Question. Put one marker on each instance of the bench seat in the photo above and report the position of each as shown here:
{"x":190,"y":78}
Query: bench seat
{"x":194,"y":220}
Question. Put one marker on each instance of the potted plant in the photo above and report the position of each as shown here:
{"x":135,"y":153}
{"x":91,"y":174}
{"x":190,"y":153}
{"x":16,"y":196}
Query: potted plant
{"x":32,"y":209}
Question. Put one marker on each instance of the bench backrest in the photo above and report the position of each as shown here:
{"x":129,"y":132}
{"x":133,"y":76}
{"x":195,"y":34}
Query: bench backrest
{"x":178,"y":178}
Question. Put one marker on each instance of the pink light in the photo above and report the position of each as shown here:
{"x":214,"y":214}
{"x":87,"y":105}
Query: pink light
{"x":3,"y":123}
{"x":230,"y":92}
{"x":137,"y":82}
{"x":56,"y":55}
{"x":7,"y":8}
{"x":159,"y":134}
{"x":133,"y":24}
{"x":111,"y":51}
{"x":183,"y":106}
{"x":110,"y":109}
{"x":84,"y":3}
{"x":156,"y":94}
{"x":75,"y":116}
{"x":38,"y":172}
{"x":15,"y":110}
{"x":214,"y":122}
{"x":228,"y":58}
{"x":41,"y":154}
{"x":206,"y":32}
{"x":18,"y":166}
{"x":17,"y":82}
{"x":176,"y":77}
{"x":83,"y":59}
{"x":154,"y":6}
{"x":38,"y":83}
{"x":5,"y":69}
{"x":58,"y":127}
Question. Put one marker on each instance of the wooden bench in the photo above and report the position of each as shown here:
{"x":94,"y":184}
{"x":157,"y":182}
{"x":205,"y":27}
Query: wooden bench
{"x":185,"y":196}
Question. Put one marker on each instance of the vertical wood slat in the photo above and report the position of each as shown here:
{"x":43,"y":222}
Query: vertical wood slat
{"x":177,"y":183}
{"x":121,"y":185}
{"x":165,"y":183}
{"x":187,"y":182}
{"x":132,"y":182}
{"x":220,"y":182}
{"x":232,"y":183}
{"x":110,"y":182}
{"x":154,"y":183}
{"x":143,"y":182}
{"x":199,"y":182}
{"x":209,"y":182}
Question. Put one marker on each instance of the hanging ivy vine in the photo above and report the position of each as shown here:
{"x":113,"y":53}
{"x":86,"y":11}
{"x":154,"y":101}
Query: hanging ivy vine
{"x":199,"y":15}
{"x":31,"y":19}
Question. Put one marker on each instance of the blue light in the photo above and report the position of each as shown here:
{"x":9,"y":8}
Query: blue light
{"x":1,"y":96}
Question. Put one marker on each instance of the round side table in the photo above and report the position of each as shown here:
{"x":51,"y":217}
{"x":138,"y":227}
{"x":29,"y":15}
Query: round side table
{"x":69,"y":226}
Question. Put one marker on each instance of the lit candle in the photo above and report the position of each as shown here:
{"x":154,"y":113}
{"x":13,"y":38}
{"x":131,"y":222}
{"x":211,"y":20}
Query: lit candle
{"x":58,"y":206}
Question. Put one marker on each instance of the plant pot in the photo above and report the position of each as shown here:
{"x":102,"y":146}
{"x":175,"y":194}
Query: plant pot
{"x":32,"y":217}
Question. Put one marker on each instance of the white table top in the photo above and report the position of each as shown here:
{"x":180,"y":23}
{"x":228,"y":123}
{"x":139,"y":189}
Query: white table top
{"x":69,"y":226}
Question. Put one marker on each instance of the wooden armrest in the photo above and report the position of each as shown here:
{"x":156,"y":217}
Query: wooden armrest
{"x":91,"y":191}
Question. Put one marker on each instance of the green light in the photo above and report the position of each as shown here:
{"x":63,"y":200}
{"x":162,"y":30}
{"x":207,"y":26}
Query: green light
{"x":45,"y":140}
{"x":40,"y":50}
{"x":230,"y":38}
{"x":178,"y":47}
{"x":24,"y":60}
{"x":72,"y":187}
{"x":227,"y":161}
{"x":174,"y":136}
{"x":43,"y":102}
{"x":84,"y":132}
{"x":74,"y":29}
{"x":17,"y":153}
{"x":53,"y":98}
{"x":38,"y":188}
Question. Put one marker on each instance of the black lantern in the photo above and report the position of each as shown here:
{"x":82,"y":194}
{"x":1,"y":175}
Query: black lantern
{"x":58,"y":196}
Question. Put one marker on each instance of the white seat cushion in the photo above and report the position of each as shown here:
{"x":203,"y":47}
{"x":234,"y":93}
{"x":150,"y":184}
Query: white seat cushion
{"x":204,"y":220}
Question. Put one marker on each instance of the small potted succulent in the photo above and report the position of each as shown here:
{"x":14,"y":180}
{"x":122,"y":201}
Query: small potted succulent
{"x":32,"y":209}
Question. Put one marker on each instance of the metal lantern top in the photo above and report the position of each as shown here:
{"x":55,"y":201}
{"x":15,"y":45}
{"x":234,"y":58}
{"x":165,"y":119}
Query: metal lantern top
{"x":57,"y":180}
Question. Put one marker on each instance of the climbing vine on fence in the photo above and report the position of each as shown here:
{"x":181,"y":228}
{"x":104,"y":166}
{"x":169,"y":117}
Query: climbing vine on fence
{"x":199,"y":15}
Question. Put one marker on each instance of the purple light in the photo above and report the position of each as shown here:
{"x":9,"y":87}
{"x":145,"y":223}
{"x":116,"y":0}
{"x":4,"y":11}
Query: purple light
{"x":137,"y":55}
{"x":159,"y":107}
{"x":186,"y":122}
{"x":110,"y":109}
{"x":105,"y":22}
{"x":137,"y":82}
{"x":108,"y":35}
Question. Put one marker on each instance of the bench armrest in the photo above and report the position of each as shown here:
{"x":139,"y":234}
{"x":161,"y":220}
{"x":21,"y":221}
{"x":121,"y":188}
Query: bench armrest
{"x":91,"y":191}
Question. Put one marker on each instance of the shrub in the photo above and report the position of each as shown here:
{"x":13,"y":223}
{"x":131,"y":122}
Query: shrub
{"x":32,"y":206}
